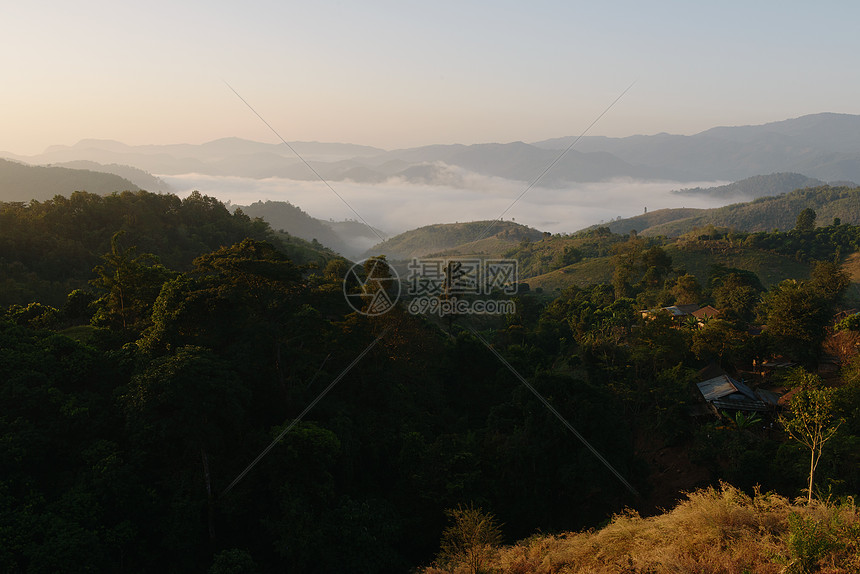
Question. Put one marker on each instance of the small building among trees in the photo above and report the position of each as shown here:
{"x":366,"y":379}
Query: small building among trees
{"x":725,"y":393}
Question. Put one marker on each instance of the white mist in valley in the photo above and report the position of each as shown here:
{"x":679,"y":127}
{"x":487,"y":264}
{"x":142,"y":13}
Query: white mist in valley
{"x":396,"y":206}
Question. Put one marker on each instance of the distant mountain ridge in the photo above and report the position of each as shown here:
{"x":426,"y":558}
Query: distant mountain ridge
{"x":757,"y":186}
{"x":21,"y":182}
{"x":822,"y":146}
{"x":138,"y":177}
{"x":825,"y":146}
{"x":362,"y":164}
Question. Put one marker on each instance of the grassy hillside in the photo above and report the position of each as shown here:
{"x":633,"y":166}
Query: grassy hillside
{"x":586,"y":258}
{"x":769,"y":213}
{"x":21,"y":182}
{"x":713,"y":531}
{"x":650,"y":219}
{"x":763,"y":214}
{"x":582,"y":274}
{"x":459,"y":238}
{"x":771,"y":268}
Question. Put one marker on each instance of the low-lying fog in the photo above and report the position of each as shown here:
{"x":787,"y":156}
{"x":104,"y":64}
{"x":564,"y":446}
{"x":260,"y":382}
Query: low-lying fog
{"x":397,"y":206}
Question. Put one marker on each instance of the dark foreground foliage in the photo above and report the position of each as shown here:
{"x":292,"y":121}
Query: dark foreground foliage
{"x":130,"y":408}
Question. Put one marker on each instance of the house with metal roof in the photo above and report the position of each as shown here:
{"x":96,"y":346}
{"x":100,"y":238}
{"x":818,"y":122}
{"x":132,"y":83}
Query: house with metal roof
{"x":725,"y":393}
{"x":705,"y":313}
{"x":678,"y":311}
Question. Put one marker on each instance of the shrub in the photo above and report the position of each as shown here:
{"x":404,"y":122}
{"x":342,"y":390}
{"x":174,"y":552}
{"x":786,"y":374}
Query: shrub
{"x":471,"y":540}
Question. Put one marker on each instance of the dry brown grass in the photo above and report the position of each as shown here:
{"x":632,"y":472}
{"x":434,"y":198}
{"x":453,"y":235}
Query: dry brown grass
{"x":713,"y":531}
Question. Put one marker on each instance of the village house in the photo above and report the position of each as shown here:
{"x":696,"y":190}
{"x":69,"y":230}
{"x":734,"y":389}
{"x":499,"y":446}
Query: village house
{"x":683,"y":314}
{"x":723,"y":392}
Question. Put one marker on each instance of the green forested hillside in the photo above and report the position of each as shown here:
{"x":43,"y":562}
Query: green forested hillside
{"x":127,"y":422}
{"x":770,"y":267}
{"x":141,"y":179}
{"x":49,"y":248}
{"x":202,"y":400}
{"x":282,"y":215}
{"x":21,"y":182}
{"x":555,"y":261}
{"x":696,"y":259}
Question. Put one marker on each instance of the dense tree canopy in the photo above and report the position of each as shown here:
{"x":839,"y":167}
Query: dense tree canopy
{"x":49,"y":248}
{"x":188,"y":339}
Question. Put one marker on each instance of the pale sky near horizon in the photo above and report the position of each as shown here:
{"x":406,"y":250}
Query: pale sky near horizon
{"x":401,"y":74}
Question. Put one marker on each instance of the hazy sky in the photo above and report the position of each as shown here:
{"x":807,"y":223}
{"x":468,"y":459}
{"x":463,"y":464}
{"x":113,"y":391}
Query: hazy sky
{"x":398,"y":74}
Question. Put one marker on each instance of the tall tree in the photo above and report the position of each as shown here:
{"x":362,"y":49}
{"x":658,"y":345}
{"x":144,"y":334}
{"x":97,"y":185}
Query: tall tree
{"x":627,"y":261}
{"x":795,"y":315}
{"x":806,"y":220}
{"x":736,"y":291}
{"x":830,"y":280}
{"x":717,"y":339}
{"x":687,"y":290}
{"x":811,"y":424}
{"x":131,"y":283}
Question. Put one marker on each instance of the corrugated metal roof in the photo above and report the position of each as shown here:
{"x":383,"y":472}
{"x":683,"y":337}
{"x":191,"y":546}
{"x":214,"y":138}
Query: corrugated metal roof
{"x":768,"y":397}
{"x":687,"y":308}
{"x":745,"y":390}
{"x":717,"y":388}
{"x":726,"y":393}
{"x":741,"y":404}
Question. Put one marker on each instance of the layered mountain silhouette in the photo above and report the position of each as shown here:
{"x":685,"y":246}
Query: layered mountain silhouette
{"x":822,"y":146}
{"x":22,"y":182}
{"x":349,"y":238}
{"x":825,"y":146}
{"x":759,"y":186}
